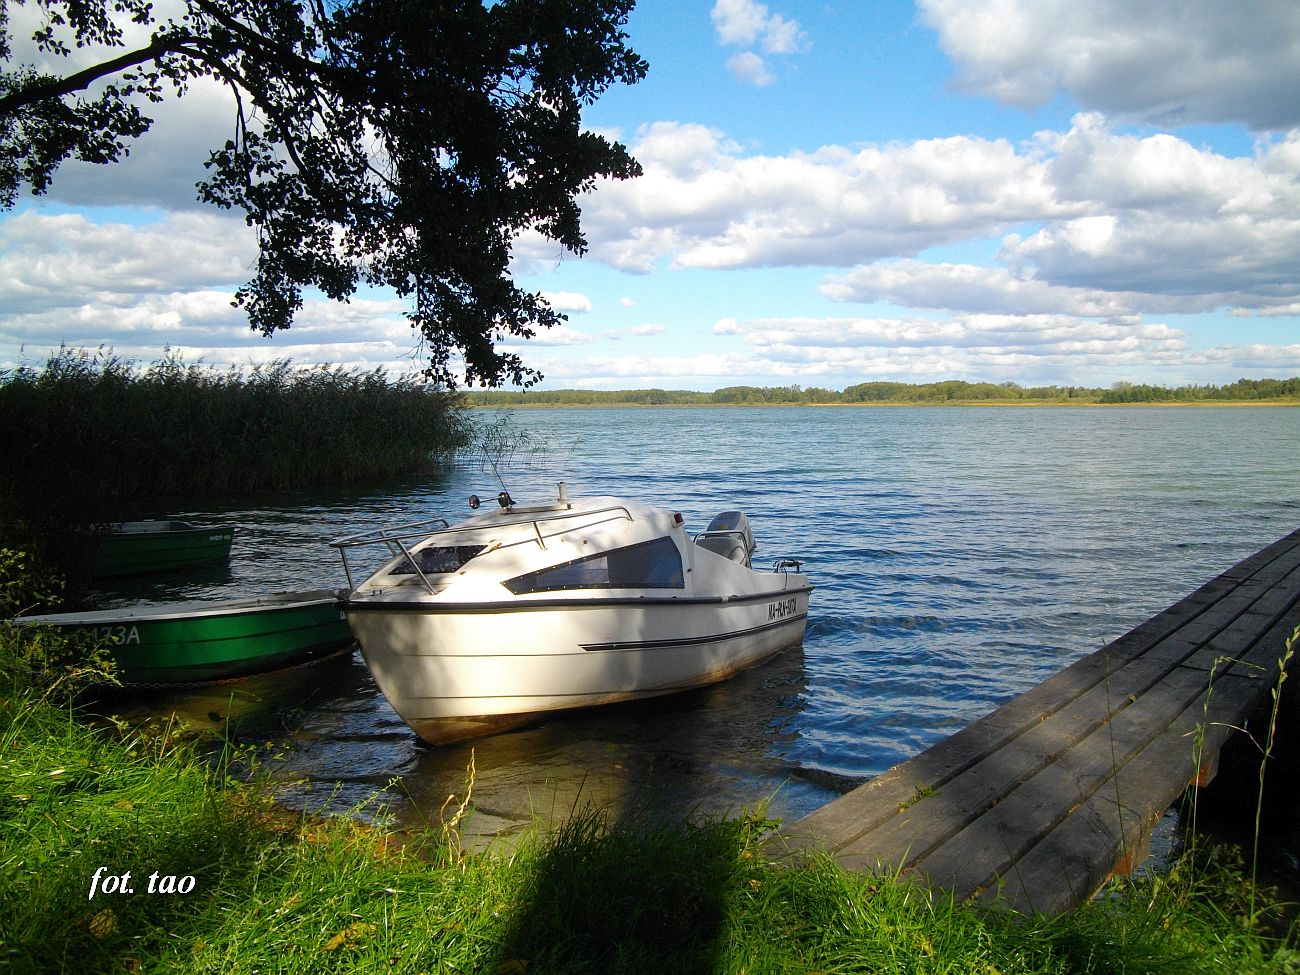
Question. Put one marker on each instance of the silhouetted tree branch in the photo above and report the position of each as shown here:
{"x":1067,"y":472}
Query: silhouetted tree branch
{"x":400,"y":144}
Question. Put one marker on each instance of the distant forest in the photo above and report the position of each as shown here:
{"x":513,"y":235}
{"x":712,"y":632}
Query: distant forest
{"x":952,"y":391}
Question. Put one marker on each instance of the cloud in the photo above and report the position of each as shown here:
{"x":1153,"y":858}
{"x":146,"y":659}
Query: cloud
{"x":570,"y":302}
{"x":1240,"y":263}
{"x":704,"y":204}
{"x":800,"y":339}
{"x":975,"y":288}
{"x":630,"y":371}
{"x":555,"y":335}
{"x":993,"y":346}
{"x":203,"y":326}
{"x":1091,"y":221}
{"x":639,"y":331}
{"x":164,"y":165}
{"x":1269,"y":359}
{"x":1169,"y":64}
{"x":748,"y":24}
{"x":57,"y":260}
{"x":1025,"y":349}
{"x":1170,"y":221}
{"x":161,"y":167}
{"x":67,"y":279}
{"x":750,"y":68}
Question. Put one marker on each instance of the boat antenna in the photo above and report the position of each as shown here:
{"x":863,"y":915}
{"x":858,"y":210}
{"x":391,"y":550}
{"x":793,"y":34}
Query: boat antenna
{"x":496,"y":441}
{"x":497,"y":471}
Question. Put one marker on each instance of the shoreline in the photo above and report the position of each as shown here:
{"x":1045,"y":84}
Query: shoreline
{"x":995,"y":404}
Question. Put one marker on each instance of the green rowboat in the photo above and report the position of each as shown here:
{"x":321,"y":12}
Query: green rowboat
{"x":183,"y":643}
{"x":139,"y":547}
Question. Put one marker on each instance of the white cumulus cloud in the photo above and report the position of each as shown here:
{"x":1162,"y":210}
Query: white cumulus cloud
{"x":702,"y":203}
{"x":1167,"y":63}
{"x":569,"y":302}
{"x":1088,"y":218}
{"x":751,"y":25}
{"x":67,"y":279}
{"x":751,"y":69}
{"x":991,"y":346}
{"x":748,"y":23}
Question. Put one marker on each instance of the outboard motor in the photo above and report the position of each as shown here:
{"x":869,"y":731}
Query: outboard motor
{"x":729,"y":535}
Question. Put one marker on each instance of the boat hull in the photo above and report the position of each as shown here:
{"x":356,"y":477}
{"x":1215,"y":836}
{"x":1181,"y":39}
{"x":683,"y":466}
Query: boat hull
{"x":201,"y":642}
{"x":141,"y":548}
{"x":457,"y":672}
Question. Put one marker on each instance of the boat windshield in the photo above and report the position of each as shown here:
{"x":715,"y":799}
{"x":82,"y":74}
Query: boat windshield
{"x":435,"y":559}
{"x":655,"y":564}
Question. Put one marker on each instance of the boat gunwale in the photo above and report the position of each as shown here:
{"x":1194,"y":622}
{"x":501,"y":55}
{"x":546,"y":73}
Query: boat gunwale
{"x":194,"y":609}
{"x":374,"y":604}
{"x":161,"y":527}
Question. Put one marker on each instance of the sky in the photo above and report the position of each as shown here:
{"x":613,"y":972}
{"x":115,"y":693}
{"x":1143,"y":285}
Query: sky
{"x":834,"y":192}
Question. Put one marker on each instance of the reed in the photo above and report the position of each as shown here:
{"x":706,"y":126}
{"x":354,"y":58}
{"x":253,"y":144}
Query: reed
{"x":1267,"y":747}
{"x":89,"y":431}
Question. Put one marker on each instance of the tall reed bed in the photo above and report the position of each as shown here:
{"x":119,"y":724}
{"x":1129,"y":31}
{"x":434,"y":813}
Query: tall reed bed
{"x":90,"y":429}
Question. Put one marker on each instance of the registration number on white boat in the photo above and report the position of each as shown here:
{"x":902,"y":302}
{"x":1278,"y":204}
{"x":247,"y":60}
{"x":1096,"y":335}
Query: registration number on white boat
{"x":781,"y":609}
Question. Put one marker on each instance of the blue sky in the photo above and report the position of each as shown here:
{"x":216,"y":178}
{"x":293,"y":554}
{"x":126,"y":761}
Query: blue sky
{"x":835,"y":191}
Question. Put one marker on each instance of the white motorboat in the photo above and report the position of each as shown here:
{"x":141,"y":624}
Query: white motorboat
{"x":528,"y":609}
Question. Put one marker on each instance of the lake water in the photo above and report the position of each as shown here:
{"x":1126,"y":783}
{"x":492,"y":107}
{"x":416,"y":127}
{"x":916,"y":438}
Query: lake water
{"x":960,"y":555}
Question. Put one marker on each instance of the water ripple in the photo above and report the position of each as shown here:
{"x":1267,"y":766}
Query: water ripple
{"x":960,"y":557}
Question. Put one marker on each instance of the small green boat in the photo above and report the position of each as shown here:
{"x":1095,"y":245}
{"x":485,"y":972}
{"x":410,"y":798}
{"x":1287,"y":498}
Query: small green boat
{"x":138,"y":547}
{"x":183,"y":643}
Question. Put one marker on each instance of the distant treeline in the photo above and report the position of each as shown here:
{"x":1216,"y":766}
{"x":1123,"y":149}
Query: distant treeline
{"x":952,"y":391}
{"x":88,"y":433}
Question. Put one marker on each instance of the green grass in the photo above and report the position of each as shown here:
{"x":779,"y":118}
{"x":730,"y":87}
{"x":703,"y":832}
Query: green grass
{"x":280,"y":892}
{"x":275,"y":892}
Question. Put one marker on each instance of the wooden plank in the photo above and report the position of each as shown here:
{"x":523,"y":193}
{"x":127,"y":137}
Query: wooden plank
{"x":992,"y":843}
{"x":1115,"y":818}
{"x":1028,"y":810}
{"x":933,"y":820}
{"x":1266,"y":656}
{"x":840,"y":823}
{"x":1072,"y":861}
{"x":1284,"y":547}
{"x":844,"y":820}
{"x":1042,"y":797}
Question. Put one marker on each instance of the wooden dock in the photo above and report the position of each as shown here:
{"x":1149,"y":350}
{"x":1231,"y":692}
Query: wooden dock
{"x":1036,"y":804}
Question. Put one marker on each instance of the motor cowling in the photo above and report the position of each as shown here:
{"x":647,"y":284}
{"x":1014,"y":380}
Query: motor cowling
{"x":729,"y":535}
